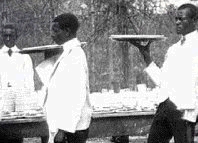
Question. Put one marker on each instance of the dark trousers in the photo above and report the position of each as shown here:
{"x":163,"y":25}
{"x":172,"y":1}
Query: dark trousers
{"x":167,"y":123}
{"x":15,"y":132}
{"x":11,"y":141}
{"x":78,"y":137}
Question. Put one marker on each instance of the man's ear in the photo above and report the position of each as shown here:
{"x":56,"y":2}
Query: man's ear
{"x":195,"y":21}
{"x":68,"y":31}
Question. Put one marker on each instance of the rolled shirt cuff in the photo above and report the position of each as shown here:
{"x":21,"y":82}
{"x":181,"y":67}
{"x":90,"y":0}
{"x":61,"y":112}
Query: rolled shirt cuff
{"x":154,"y":72}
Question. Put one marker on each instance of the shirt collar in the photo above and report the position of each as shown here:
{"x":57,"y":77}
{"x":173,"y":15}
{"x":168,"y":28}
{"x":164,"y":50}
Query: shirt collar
{"x":189,"y":35}
{"x":15,"y":49}
{"x":67,"y":46}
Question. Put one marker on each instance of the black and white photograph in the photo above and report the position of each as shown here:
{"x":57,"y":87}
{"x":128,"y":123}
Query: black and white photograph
{"x":98,"y":71}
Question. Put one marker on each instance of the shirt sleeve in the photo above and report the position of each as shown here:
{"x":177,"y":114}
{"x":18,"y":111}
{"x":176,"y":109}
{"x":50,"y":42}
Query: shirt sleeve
{"x":195,"y":80}
{"x":195,"y":75}
{"x":154,"y":72}
{"x":44,"y":70}
{"x":191,"y":114}
{"x":28,"y":73}
{"x":70,"y":81}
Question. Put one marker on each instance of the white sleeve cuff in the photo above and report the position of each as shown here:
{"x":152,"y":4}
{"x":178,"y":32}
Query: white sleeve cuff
{"x":154,"y":72}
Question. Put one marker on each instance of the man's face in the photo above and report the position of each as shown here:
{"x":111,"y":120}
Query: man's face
{"x":58,"y":35}
{"x":184,"y":24}
{"x":9,"y":37}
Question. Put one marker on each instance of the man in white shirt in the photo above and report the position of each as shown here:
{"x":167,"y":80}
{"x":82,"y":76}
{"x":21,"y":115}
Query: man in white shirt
{"x":16,"y":74}
{"x":178,"y":81}
{"x":67,"y":102}
{"x":17,"y":71}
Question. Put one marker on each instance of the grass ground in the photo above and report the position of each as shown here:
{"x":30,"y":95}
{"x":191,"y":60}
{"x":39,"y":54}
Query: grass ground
{"x":101,"y":140}
{"x":93,"y":140}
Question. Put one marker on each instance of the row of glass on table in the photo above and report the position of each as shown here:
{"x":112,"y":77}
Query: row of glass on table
{"x":23,"y":103}
{"x":124,"y":101}
{"x":19,"y":103}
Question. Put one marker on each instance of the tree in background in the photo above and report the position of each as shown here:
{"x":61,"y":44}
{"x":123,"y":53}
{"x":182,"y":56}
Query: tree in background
{"x":108,"y":61}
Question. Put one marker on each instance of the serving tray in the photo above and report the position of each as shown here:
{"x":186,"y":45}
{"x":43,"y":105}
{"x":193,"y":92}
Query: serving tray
{"x":137,"y":37}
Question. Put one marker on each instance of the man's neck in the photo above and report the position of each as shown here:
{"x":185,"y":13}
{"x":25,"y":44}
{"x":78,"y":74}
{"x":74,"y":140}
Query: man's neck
{"x":188,"y":32}
{"x":9,"y":47}
{"x":69,"y":38}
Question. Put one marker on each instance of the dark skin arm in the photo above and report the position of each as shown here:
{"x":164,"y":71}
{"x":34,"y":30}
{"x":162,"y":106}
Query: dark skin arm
{"x":59,"y":137}
{"x":144,"y":50}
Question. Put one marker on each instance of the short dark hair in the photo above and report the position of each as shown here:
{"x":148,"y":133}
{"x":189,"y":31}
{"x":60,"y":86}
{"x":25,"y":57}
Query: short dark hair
{"x":192,"y":9}
{"x":68,"y":20}
{"x":10,"y":26}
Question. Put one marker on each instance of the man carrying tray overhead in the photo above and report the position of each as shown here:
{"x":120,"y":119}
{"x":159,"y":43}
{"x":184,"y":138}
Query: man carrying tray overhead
{"x":16,"y":75}
{"x":178,"y":80}
{"x":67,"y":101}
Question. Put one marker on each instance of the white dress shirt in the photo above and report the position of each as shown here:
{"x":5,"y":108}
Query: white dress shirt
{"x":178,"y":77}
{"x":16,"y":70}
{"x":44,"y":70}
{"x":68,"y":106}
{"x":16,"y":79}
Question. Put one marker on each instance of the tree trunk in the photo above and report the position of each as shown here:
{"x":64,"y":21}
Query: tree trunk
{"x":123,"y":29}
{"x":92,"y":51}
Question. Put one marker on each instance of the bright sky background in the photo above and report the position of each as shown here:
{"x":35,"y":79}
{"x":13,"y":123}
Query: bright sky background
{"x":177,"y":3}
{"x":180,"y":2}
{"x":162,"y":4}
